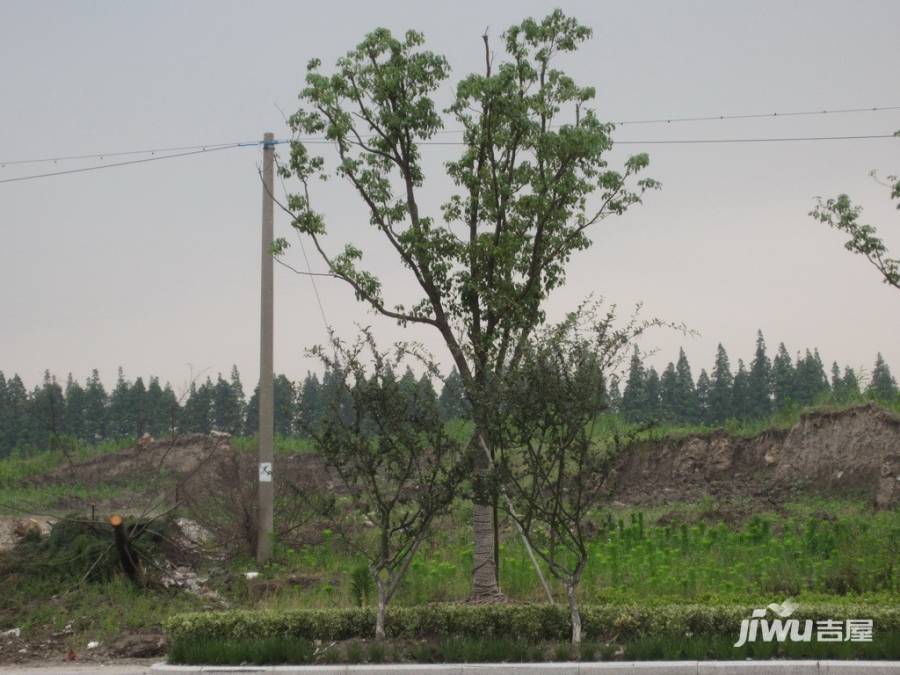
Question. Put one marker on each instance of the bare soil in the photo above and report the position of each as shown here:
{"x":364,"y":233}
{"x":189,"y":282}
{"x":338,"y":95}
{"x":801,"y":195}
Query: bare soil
{"x":853,"y":452}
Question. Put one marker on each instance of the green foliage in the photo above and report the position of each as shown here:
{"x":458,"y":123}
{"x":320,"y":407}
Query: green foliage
{"x":496,"y":622}
{"x":261,"y":651}
{"x":841,"y":214}
{"x":668,"y":646}
{"x":361,"y":585}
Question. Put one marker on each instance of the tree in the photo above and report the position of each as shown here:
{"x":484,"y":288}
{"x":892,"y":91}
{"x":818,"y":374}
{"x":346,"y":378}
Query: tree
{"x":721,"y":383}
{"x":18,"y":404}
{"x":740,"y":393}
{"x":686,"y":405}
{"x":228,"y":403}
{"x":850,"y":385}
{"x":759,"y":382}
{"x":96,"y":420}
{"x":635,"y":397}
{"x":841,"y":214}
{"x":197,"y":414}
{"x":75,"y":400}
{"x":783,"y":378}
{"x":614,"y":396}
{"x":285,"y":403}
{"x":121,"y":414}
{"x":452,"y":401}
{"x":309,"y":403}
{"x":668,"y":394}
{"x":140,"y":415}
{"x":652,"y":397}
{"x":703,"y":387}
{"x":810,"y":381}
{"x":882,"y":386}
{"x":531,"y":180}
{"x":554,"y":398}
{"x":47,"y":412}
{"x":400,"y":466}
{"x":162,"y":408}
{"x":5,"y":417}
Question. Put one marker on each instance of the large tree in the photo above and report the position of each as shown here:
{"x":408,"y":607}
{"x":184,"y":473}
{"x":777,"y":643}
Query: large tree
{"x":530,"y":180}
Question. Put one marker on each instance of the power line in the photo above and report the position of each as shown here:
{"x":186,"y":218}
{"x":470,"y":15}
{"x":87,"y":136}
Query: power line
{"x":686,"y":141}
{"x":117,"y":164}
{"x":661,"y":120}
{"x":750,"y":116}
{"x":103,"y":155}
{"x":325,"y":141}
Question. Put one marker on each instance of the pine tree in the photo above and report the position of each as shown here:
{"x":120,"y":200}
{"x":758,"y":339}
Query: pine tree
{"x":615,"y":396}
{"x":157,"y":422}
{"x":452,"y":402}
{"x":168,"y":412}
{"x":285,"y":406}
{"x":197,"y":415}
{"x":310,"y":403}
{"x":47,"y":412}
{"x":251,"y":419}
{"x":740,"y":392}
{"x":838,"y":394}
{"x":783,"y":378}
{"x":634,"y":396}
{"x":138,"y":411}
{"x":703,"y":387}
{"x":810,"y":381}
{"x":121,"y":421}
{"x":5,"y":418}
{"x":882,"y":386}
{"x":850,"y":385}
{"x":668,"y":394}
{"x":75,"y":414}
{"x":720,"y":389}
{"x":759,"y":382}
{"x":652,"y":399}
{"x":237,"y":389}
{"x":96,"y":405}
{"x":687,"y":408}
{"x":227,"y":413}
{"x":17,"y":400}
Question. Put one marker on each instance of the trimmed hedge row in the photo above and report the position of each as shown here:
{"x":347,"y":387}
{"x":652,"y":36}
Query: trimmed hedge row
{"x":522,"y":622}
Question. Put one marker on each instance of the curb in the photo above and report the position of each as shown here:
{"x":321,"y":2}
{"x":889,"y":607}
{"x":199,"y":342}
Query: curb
{"x":636,"y":667}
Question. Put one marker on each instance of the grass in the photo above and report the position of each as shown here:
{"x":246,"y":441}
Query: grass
{"x":635,"y":558}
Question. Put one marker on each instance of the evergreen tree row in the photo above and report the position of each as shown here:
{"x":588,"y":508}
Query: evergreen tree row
{"x":747,"y":393}
{"x":39,"y":418}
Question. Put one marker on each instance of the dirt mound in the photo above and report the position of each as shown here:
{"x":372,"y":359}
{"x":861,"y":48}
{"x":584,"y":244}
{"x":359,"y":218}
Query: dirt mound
{"x":848,"y":452}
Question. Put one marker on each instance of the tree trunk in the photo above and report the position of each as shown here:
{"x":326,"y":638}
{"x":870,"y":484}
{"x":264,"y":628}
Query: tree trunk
{"x":574,"y":614}
{"x":379,"y":614}
{"x":484,"y":574}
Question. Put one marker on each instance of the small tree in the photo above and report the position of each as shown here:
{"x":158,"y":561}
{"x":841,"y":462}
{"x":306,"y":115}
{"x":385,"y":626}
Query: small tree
{"x":556,"y":466}
{"x":392,"y":451}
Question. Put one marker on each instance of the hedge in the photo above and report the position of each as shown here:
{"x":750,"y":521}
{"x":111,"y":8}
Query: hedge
{"x":523,"y":622}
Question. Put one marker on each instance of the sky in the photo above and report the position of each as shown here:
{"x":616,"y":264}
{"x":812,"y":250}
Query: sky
{"x":155,"y":267}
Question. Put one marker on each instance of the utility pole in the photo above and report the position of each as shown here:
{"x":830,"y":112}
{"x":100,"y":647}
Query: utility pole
{"x":266,"y":366}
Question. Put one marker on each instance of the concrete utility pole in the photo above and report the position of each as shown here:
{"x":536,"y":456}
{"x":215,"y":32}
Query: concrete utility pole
{"x":266,"y":366}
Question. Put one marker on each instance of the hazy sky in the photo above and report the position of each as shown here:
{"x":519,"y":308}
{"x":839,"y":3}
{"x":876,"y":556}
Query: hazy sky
{"x":155,"y":267}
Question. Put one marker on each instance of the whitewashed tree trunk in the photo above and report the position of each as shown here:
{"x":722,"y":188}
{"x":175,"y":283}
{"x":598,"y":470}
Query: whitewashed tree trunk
{"x":382,"y":606}
{"x":574,"y":614}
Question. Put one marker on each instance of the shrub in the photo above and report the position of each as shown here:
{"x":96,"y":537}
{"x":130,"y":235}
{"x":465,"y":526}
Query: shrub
{"x":519,"y":622}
